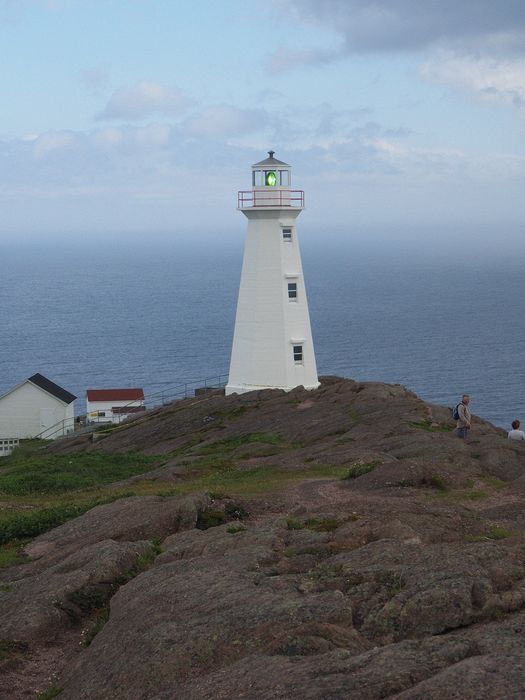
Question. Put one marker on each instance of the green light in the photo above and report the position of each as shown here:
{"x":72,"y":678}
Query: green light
{"x":271,"y":179}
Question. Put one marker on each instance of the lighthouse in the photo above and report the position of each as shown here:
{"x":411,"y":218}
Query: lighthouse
{"x":272,"y":342}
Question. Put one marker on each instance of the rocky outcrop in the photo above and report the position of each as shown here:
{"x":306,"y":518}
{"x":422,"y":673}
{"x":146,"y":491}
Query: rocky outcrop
{"x":405,"y":579}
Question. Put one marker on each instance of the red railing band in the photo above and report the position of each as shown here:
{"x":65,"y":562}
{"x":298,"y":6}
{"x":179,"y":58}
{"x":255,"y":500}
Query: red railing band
{"x":270,"y":198}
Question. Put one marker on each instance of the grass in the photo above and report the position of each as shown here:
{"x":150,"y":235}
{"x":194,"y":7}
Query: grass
{"x":230,"y":444}
{"x":12,"y":649}
{"x":495,"y":532}
{"x":10,"y":553}
{"x":431,"y":427}
{"x":96,"y":598}
{"x":26,"y":524}
{"x":499,"y":533}
{"x":460,"y":495}
{"x":27,"y":474}
{"x":39,"y":490}
{"x":436,"y":482}
{"x":315,"y":524}
{"x":51,"y":692}
{"x":359,"y":469}
{"x":233,"y":480}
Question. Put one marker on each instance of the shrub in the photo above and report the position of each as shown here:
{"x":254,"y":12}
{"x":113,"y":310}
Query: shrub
{"x":359,"y":469}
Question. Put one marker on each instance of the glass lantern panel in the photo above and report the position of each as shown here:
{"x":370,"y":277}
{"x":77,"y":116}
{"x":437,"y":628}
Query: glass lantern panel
{"x":284,"y":178}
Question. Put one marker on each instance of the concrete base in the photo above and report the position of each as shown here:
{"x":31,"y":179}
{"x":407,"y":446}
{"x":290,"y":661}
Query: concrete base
{"x":245,"y":388}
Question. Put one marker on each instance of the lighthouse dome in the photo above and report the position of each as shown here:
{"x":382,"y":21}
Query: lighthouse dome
{"x":271,"y":161}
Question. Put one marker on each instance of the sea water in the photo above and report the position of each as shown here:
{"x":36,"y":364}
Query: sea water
{"x":155,"y":313}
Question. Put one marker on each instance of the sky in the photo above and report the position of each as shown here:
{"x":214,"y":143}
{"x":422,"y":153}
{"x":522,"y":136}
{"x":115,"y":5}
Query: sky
{"x":143,"y":117}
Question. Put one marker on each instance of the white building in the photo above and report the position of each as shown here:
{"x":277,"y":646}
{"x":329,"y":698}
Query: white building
{"x":36,"y":407}
{"x":272,"y":344}
{"x":113,"y":405}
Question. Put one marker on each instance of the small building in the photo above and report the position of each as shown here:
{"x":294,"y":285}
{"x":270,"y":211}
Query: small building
{"x":113,"y":405}
{"x":37,"y":407}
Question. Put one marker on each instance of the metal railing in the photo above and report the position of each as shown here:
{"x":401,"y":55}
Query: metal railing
{"x":270,"y":198}
{"x":63,"y":427}
{"x":157,"y":399}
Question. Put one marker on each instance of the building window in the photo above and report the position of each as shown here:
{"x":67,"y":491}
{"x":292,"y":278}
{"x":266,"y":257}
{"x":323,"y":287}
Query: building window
{"x":298,"y":354}
{"x":292,"y":291}
{"x":287,"y":235}
{"x":284,"y":178}
{"x":101,"y":414}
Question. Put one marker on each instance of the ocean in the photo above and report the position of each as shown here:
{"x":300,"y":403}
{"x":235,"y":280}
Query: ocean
{"x":158,"y":313}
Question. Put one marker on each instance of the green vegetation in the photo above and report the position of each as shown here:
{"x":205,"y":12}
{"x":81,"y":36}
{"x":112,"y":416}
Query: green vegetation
{"x":499,"y":533}
{"x":100,"y":620}
{"x":495,"y":532}
{"x":48,"y":473}
{"x":230,"y":444}
{"x":354,"y":416}
{"x":393,"y":581}
{"x":493,"y":481}
{"x":460,"y":495}
{"x":40,"y":490}
{"x":436,"y":482}
{"x":10,"y":553}
{"x":95,"y":599}
{"x":234,"y":529}
{"x":51,"y":692}
{"x":315,"y":524}
{"x":26,"y":524}
{"x":359,"y":469}
{"x":427,"y":424}
{"x":11,"y":649}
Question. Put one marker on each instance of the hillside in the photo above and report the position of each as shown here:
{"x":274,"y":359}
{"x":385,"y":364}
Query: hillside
{"x":329,"y":544}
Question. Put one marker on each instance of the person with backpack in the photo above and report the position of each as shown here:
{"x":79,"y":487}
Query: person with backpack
{"x":462,"y":415}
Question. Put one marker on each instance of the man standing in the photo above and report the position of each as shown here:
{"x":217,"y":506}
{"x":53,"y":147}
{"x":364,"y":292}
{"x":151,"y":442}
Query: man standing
{"x":463,"y":424}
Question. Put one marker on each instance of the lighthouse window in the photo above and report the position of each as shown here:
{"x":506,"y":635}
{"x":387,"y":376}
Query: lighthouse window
{"x":284,"y":178}
{"x":292,"y":291}
{"x":287,"y":235}
{"x":298,"y":354}
{"x":270,"y":178}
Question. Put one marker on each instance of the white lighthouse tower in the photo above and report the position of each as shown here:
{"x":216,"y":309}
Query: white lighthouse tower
{"x":272,"y":342}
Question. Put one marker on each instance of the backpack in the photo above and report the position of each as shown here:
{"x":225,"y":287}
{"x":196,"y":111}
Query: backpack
{"x":455,"y":412}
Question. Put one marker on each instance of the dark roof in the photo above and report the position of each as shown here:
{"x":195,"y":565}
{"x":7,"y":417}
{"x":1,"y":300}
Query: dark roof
{"x":115,"y":394}
{"x":51,"y":388}
{"x":270,"y":161}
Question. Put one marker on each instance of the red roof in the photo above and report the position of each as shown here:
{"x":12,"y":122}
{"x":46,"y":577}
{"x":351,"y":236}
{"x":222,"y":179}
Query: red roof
{"x":115,"y":394}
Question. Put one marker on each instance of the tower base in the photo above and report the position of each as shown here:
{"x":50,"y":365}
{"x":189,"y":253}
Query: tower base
{"x":244,"y":388}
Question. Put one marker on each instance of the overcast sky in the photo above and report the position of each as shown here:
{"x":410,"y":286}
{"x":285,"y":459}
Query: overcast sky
{"x":129,"y":117}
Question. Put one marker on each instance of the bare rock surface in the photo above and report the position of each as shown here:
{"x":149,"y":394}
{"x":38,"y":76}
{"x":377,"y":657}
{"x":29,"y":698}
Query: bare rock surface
{"x":404,"y":580}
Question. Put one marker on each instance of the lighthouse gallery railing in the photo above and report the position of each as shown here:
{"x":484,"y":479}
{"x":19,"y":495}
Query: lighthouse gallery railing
{"x":270,"y":198}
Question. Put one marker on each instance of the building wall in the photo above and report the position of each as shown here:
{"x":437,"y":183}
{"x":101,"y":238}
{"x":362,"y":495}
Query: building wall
{"x":28,"y":410}
{"x":268,"y":324}
{"x":93,"y":408}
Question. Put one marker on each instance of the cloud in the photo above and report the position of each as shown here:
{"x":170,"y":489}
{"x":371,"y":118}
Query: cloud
{"x":489,"y":79}
{"x":95,"y":79}
{"x":385,"y":25}
{"x":287,"y":59}
{"x":144,"y":100}
{"x":52,"y":141}
{"x":225,"y":121}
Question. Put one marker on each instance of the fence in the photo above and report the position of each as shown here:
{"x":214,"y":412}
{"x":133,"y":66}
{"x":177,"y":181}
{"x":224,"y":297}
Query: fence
{"x":175,"y":392}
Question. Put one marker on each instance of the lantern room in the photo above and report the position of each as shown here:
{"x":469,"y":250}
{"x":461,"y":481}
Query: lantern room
{"x":271,"y":172}
{"x":271,"y":181}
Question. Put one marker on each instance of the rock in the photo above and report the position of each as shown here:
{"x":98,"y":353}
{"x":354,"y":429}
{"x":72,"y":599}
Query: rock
{"x":37,"y":608}
{"x":128,"y":519}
